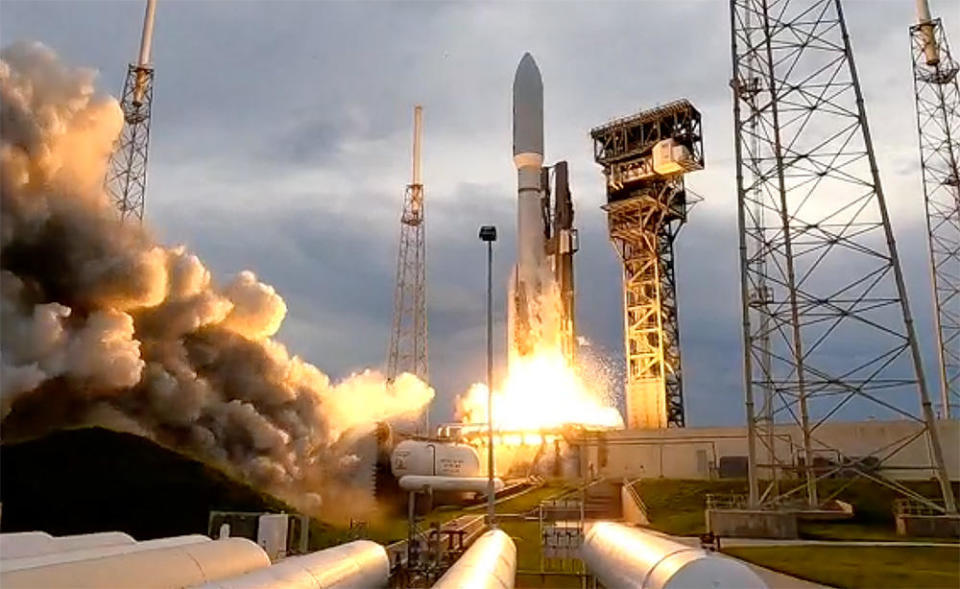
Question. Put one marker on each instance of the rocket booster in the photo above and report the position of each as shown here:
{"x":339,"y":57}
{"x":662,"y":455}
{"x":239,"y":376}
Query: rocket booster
{"x":528,"y":158}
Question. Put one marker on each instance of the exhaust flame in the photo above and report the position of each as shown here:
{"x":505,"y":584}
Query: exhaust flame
{"x":102,"y":325}
{"x":542,"y":392}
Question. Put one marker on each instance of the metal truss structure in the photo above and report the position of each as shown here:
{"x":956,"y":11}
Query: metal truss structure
{"x":126,"y":180}
{"x":408,"y":338}
{"x":938,"y":124}
{"x":826,"y":323}
{"x":645,"y":210}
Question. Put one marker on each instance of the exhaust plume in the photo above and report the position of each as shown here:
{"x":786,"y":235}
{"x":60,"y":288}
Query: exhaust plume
{"x":102,"y":325}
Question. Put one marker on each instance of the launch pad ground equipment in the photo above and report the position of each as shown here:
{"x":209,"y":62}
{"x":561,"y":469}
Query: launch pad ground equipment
{"x":645,"y":158}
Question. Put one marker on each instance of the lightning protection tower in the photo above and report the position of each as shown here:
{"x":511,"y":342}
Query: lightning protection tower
{"x":408,"y":339}
{"x":826,"y":324}
{"x":127,"y":173}
{"x":938,"y":123}
{"x":644,"y":159}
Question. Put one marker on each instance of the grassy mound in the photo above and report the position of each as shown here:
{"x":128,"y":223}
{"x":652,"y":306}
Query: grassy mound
{"x":94,"y":479}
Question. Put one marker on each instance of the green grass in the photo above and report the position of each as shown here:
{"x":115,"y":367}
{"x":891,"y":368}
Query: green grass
{"x":861,"y":566}
{"x":526,"y":535}
{"x":530,"y":500}
{"x":676,"y":507}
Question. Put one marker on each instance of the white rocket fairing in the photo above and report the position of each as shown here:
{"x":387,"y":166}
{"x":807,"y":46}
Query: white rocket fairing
{"x":528,"y":158}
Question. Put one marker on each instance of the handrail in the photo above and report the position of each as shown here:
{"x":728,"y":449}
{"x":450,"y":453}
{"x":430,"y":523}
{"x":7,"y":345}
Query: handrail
{"x":636,"y":498}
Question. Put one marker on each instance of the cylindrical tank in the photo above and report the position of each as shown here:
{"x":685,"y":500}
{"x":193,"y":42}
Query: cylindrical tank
{"x":26,"y":544}
{"x":629,"y":558}
{"x":164,"y":568}
{"x":39,"y":560}
{"x":361,"y":564}
{"x":490,"y":563}
{"x":420,"y":457}
{"x":21,"y":544}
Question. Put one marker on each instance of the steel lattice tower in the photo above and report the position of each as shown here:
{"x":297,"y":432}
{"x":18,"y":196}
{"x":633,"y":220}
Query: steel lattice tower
{"x":826,"y":323}
{"x":938,"y":125}
{"x":408,"y":339}
{"x":126,"y":180}
{"x":647,"y":205}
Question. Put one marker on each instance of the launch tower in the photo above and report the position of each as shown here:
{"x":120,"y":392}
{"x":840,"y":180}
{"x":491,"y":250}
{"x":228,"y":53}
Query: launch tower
{"x":826,"y":324}
{"x":126,"y":180}
{"x":408,"y":338}
{"x":644,"y":159}
{"x":938,"y":122}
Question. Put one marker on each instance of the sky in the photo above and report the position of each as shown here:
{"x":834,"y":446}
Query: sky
{"x":281,"y":135}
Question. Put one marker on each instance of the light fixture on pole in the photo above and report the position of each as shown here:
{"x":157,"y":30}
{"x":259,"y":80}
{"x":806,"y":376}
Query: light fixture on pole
{"x":488,"y":233}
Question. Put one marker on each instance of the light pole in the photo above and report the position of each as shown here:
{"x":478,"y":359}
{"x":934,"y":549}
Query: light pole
{"x":488,"y":233}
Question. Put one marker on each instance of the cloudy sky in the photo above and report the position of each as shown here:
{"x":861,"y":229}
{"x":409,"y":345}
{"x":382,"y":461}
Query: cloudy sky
{"x":281,"y":143}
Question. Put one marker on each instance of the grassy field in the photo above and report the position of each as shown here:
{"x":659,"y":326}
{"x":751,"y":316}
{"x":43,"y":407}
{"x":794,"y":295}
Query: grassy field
{"x":389,"y":528}
{"x":861,"y":566}
{"x":676,"y":507}
{"x":526,"y":535}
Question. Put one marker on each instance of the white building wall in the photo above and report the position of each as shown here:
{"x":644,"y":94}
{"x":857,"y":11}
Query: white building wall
{"x":694,"y":453}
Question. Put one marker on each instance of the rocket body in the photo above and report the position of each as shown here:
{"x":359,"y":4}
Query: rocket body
{"x":528,"y":159}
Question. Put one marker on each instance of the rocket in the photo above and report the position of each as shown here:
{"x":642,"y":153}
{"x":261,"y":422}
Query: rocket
{"x":541,"y":293}
{"x":528,"y":159}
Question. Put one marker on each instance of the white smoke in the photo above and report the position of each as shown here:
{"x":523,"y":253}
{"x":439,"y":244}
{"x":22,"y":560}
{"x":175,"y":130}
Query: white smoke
{"x":103,"y":325}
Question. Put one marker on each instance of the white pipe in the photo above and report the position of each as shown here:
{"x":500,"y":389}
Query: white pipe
{"x":490,"y":563}
{"x":164,"y":568}
{"x":39,"y":560}
{"x":147,"y":36}
{"x":22,"y":544}
{"x":27,"y":544}
{"x":629,"y":558}
{"x":930,"y":49}
{"x":362,"y":565}
{"x":413,"y":482}
{"x":417,"y":140}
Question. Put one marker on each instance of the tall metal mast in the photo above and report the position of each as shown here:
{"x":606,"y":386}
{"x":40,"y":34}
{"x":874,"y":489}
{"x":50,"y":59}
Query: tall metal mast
{"x":127,"y":174}
{"x":408,"y":339}
{"x":833,"y":338}
{"x":938,"y":126}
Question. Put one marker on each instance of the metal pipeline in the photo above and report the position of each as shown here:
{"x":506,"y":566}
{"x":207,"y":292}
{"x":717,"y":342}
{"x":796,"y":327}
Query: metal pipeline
{"x":361,"y":564}
{"x":628,"y":558}
{"x":163,"y":568}
{"x":490,"y":563}
{"x":97,"y":551}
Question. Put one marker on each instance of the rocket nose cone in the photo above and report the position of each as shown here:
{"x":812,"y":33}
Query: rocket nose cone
{"x":527,"y":107}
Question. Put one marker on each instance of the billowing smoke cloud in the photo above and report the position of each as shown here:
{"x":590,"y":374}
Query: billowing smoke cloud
{"x":103,"y":325}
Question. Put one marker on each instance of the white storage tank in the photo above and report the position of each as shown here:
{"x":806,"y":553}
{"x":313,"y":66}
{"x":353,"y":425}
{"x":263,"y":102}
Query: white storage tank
{"x":427,"y":458}
{"x":630,"y":558}
{"x":361,"y":565}
{"x":164,"y":568}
